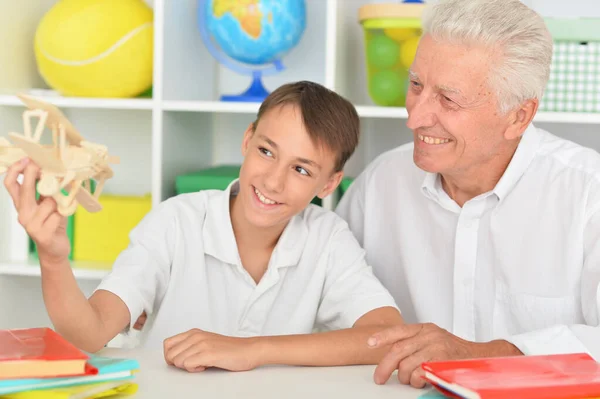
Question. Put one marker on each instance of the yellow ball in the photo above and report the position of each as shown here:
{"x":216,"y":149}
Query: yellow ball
{"x":408,"y":50}
{"x":401,"y":34}
{"x":96,"y":48}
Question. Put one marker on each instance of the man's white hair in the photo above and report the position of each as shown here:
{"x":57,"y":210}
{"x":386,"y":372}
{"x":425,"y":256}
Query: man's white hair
{"x":517,"y":32}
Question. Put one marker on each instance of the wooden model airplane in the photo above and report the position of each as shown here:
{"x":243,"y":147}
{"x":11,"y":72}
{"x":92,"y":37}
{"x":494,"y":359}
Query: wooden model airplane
{"x":69,"y":163}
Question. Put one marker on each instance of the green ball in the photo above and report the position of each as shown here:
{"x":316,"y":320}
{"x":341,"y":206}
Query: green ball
{"x":388,"y":88}
{"x":382,"y":52}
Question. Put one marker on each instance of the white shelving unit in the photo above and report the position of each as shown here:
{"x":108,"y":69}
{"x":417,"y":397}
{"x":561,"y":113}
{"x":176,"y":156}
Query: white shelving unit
{"x":184,"y":127}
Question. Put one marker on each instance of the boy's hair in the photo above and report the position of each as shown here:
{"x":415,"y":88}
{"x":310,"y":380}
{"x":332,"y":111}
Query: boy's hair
{"x":329,"y":119}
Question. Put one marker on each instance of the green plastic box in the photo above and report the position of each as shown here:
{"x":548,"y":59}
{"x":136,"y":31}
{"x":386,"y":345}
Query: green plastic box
{"x":217,"y":178}
{"x":574,"y":83}
{"x":344,"y":185}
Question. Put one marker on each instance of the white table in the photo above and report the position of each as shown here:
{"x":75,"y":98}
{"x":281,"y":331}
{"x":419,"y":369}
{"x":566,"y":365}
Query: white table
{"x":158,"y":380}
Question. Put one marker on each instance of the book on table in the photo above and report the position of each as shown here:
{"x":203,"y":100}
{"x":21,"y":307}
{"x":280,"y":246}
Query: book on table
{"x":558,"y":376}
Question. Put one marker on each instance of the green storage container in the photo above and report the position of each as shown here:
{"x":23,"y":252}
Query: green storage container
{"x":344,"y":185}
{"x":574,"y":83}
{"x":217,"y":178}
{"x":391,"y":36}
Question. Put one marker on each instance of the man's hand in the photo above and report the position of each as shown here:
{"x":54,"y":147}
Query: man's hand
{"x":413,"y":344}
{"x":139,"y":323}
{"x":197,"y":350}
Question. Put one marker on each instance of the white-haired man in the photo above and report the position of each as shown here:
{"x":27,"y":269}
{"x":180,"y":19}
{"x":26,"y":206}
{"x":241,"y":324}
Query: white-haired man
{"x":486,"y":229}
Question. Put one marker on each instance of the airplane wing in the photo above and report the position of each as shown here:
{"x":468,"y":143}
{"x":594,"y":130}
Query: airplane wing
{"x":45,"y":158}
{"x":55,"y":117}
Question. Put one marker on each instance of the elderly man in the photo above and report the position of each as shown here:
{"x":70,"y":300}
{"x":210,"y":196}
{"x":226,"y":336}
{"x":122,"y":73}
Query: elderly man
{"x":486,"y":229}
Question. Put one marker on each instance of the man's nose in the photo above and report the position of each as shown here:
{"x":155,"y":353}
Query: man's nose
{"x":422,"y":112}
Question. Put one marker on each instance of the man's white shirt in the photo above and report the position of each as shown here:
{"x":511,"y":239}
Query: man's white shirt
{"x":521,"y":262}
{"x":183,"y":268}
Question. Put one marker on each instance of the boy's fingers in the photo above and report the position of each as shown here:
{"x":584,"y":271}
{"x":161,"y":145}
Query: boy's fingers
{"x":27,"y":193}
{"x":36,"y":226}
{"x":46,"y":209}
{"x":11,"y":181}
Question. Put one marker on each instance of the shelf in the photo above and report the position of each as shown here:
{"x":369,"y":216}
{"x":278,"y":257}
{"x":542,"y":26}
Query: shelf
{"x":211,"y":106}
{"x":364,"y":111}
{"x":568,"y":117}
{"x":82,"y":102}
{"x":370,"y":111}
{"x":92,"y":271}
{"x":373,"y":111}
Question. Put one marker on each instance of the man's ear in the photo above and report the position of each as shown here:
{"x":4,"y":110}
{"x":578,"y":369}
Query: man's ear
{"x":246,"y":140}
{"x":332,"y":184}
{"x":521,"y":118}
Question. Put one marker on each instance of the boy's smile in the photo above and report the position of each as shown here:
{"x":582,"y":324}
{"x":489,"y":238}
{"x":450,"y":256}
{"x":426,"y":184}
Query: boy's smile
{"x":264,"y":201}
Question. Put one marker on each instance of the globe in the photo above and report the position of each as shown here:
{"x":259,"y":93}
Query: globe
{"x":251,"y":37}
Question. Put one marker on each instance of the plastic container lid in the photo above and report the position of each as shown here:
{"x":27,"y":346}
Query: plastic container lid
{"x":386,"y":15}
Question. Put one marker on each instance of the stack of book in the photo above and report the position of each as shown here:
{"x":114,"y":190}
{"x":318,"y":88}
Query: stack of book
{"x":39,"y":363}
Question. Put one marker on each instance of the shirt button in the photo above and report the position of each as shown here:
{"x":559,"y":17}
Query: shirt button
{"x":467,"y":223}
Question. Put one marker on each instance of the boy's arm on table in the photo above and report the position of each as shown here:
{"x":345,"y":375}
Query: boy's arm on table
{"x":195,"y":350}
{"x":330,"y":348}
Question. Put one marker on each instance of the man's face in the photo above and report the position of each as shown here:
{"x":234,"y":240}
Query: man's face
{"x":452,"y":110}
{"x":283,"y":170}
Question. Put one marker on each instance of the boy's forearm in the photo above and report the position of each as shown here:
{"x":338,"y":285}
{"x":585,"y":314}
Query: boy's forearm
{"x":70,"y":311}
{"x":332,"y":348}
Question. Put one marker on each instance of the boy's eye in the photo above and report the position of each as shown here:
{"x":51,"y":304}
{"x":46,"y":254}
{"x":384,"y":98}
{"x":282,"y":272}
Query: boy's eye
{"x":265,"y":151}
{"x":301,"y":170}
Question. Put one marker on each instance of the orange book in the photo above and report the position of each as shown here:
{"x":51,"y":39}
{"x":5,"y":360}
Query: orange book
{"x":562,"y":376}
{"x":40,"y":353}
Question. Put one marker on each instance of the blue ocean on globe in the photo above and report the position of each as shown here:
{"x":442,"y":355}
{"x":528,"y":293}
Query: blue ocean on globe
{"x":255,"y":32}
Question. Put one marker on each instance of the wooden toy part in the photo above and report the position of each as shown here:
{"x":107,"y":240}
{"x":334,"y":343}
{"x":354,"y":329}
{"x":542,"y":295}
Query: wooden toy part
{"x":44,"y":157}
{"x":69,"y":163}
{"x":54,"y":119}
{"x":9,"y":154}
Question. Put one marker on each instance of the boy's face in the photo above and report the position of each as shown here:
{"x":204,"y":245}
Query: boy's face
{"x":283,"y":169}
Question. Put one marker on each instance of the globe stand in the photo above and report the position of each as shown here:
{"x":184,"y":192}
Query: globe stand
{"x":255,"y":93}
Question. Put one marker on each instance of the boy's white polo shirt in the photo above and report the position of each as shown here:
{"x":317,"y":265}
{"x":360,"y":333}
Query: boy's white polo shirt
{"x":183,"y":268}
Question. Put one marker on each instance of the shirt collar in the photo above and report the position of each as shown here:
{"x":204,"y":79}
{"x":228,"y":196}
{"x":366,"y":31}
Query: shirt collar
{"x":526,"y":150}
{"x":219,"y":239}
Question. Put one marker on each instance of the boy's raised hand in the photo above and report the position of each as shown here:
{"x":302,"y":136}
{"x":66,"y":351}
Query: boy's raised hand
{"x":40,"y":218}
{"x":197,"y":350}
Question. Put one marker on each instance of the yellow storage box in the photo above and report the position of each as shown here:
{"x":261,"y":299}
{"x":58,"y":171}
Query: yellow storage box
{"x":100,"y":237}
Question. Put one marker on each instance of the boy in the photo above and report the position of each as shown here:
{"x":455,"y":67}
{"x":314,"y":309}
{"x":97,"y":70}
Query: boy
{"x":237,"y":278}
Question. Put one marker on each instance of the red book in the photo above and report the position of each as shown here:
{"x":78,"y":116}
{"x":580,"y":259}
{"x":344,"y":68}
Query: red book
{"x":567,"y":376}
{"x":40,"y":353}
